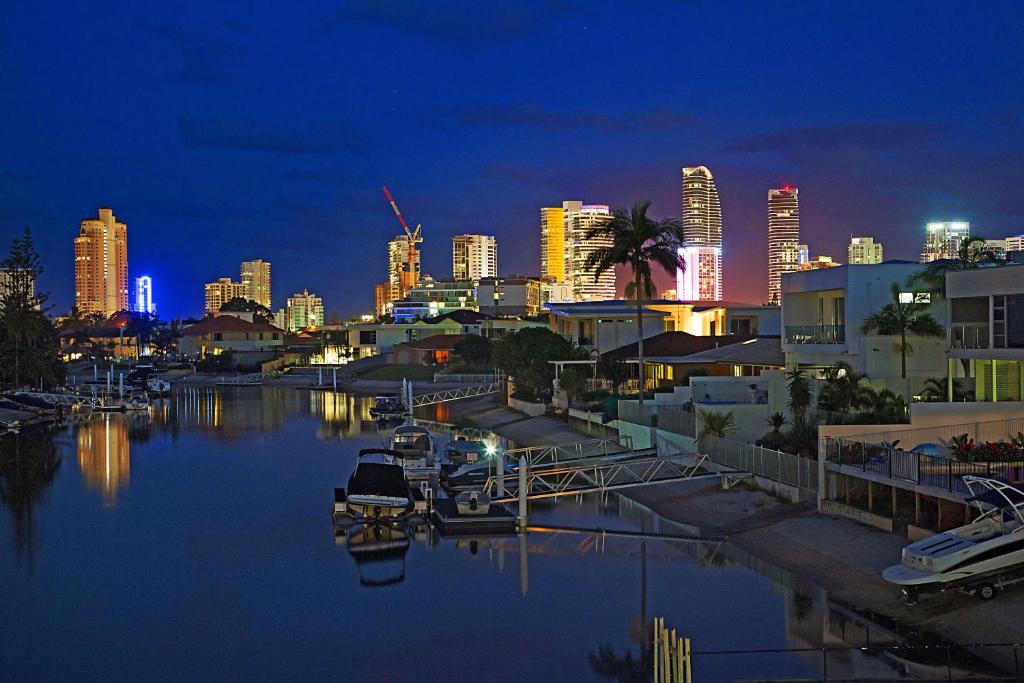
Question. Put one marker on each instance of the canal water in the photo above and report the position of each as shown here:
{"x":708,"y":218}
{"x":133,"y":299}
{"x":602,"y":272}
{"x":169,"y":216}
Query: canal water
{"x":196,"y":543}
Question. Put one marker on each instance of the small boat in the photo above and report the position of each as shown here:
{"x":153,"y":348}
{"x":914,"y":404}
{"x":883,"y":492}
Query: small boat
{"x":388,"y":407}
{"x":378,"y":487}
{"x":463,"y":451}
{"x":158,"y":387}
{"x":475,"y":474}
{"x":379,"y":551}
{"x":473,"y":503}
{"x":417,"y":451}
{"x":972,"y":556}
{"x":137,"y":400}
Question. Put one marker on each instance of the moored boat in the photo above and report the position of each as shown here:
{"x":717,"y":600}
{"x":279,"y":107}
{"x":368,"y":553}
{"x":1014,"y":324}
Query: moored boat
{"x":415,"y":446}
{"x":378,"y":487}
{"x":388,"y":407}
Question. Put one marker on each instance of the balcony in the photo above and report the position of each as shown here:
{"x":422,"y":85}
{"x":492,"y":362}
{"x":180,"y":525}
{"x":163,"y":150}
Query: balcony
{"x":815,"y":334}
{"x":968,"y":335}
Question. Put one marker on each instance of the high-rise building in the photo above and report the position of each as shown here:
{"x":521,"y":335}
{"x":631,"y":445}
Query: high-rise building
{"x":256,"y":280}
{"x":943,"y":239}
{"x":403,"y":266}
{"x":701,"y":279}
{"x":382,"y":299}
{"x":305,"y":310}
{"x":580,"y":219}
{"x":864,"y":250}
{"x":552,"y":244}
{"x":101,"y":265}
{"x":819,"y":262}
{"x":783,"y":237}
{"x":474,"y":257}
{"x":1015,"y":243}
{"x":222,"y":291}
{"x":144,"y":295}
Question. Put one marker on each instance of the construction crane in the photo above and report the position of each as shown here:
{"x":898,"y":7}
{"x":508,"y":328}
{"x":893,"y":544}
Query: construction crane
{"x":414,"y":236}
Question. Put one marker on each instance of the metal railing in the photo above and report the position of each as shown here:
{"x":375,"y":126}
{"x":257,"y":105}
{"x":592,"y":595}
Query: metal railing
{"x":988,"y":430}
{"x":917,"y":468}
{"x":968,"y":335}
{"x":445,"y":377}
{"x":677,"y":420}
{"x":577,"y":450}
{"x":632,"y":411}
{"x":815,"y":334}
{"x":785,"y":468}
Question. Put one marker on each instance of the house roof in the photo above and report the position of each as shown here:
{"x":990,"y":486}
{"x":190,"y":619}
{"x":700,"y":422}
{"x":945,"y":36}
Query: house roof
{"x":462,"y":316}
{"x":435,"y":342}
{"x":758,"y":351}
{"x":675,"y":345}
{"x":226,"y":323}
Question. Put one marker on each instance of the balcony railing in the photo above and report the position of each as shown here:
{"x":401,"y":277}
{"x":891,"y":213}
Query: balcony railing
{"x":815,"y":334}
{"x":968,"y":335}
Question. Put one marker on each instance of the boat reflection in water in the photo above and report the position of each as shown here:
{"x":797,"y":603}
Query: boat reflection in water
{"x":379,"y":552}
{"x":104,"y":455}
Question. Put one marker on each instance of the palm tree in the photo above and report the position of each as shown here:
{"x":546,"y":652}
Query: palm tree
{"x":715,"y":423}
{"x":799,"y":394}
{"x":973,"y":253}
{"x":636,"y":241}
{"x":902,"y":318}
{"x":842,"y":390}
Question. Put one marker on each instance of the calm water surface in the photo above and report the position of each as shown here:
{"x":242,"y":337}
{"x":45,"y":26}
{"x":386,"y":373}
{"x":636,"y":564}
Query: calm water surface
{"x":196,"y":543}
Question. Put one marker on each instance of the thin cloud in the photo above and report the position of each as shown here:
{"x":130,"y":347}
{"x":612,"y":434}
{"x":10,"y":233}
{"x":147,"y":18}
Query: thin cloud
{"x":318,"y":137}
{"x":654,"y":119}
{"x":868,"y":136}
{"x":457,"y":22}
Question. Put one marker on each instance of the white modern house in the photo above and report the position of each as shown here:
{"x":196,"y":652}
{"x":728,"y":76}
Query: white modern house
{"x":822,"y":314}
{"x":985,"y":332}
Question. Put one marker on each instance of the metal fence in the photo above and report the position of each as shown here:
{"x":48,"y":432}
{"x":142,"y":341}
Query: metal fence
{"x":646,"y":414}
{"x":677,"y":420}
{"x":785,"y":468}
{"x":918,"y":468}
{"x":990,"y":430}
{"x":440,"y":377}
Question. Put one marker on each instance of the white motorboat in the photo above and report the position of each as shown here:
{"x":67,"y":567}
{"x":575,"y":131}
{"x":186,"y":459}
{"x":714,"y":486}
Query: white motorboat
{"x":417,"y":449}
{"x":377,"y":488}
{"x":974,"y":556}
{"x":158,"y":387}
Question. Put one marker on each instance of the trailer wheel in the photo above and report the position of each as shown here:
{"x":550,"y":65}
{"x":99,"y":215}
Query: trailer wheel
{"x":986,"y":591}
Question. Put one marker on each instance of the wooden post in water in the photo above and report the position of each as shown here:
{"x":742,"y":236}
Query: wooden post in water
{"x":334,"y":373}
{"x":523,"y":466}
{"x":499,"y":473}
{"x":319,"y":376}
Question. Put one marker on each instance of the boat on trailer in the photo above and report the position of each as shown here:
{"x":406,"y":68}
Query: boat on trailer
{"x":978,"y":557}
{"x":417,"y":450}
{"x":377,"y":488}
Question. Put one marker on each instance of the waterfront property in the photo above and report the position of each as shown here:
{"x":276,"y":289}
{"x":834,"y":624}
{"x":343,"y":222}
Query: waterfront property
{"x":985,"y":333}
{"x":248,"y":342}
{"x":822,"y":314}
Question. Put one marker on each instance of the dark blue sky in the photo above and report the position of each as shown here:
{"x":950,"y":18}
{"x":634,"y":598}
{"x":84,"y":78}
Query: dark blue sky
{"x":222,"y":134}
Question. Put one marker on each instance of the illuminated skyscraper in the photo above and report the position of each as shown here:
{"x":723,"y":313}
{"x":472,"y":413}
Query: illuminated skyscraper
{"x":474,"y":257}
{"x":255,"y":277}
{"x":552,"y":244}
{"x":144,"y":295}
{"x":783,"y":237}
{"x":580,"y":219}
{"x":864,"y":250}
{"x":101,"y":265}
{"x":942,"y":240}
{"x":701,"y":280}
{"x":305,"y":310}
{"x":403,"y":266}
{"x":220,"y":292}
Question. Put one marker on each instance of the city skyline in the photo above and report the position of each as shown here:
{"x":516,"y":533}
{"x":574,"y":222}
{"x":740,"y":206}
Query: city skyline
{"x":209,"y":153}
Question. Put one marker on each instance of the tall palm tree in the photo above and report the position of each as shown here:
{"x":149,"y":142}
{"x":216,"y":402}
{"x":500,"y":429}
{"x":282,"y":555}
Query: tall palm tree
{"x":973,"y":253}
{"x":637,"y":241}
{"x":902,"y":318}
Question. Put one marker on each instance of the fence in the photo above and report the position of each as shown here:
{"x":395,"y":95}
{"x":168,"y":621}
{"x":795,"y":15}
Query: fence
{"x":632,"y":411}
{"x":440,"y":377}
{"x":675,"y":419}
{"x":991,"y":430}
{"x":917,"y":468}
{"x":785,"y":468}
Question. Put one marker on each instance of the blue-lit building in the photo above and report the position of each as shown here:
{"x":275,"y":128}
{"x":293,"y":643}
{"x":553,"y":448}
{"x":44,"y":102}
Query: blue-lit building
{"x":144,"y":295}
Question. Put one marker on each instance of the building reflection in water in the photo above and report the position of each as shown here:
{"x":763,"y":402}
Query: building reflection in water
{"x":103,"y":454}
{"x":342,"y":415}
{"x":228,"y":412}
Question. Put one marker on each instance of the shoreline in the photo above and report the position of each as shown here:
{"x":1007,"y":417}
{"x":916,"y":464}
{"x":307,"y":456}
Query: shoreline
{"x":838,"y":554}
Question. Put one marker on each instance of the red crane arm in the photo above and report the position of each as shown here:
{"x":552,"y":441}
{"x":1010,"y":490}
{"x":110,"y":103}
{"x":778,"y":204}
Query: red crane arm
{"x":394,"y":206}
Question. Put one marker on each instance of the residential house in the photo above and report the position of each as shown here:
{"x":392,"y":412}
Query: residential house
{"x":249,"y":343}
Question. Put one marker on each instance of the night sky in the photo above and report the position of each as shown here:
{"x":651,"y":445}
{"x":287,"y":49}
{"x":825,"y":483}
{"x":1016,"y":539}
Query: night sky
{"x":221,"y":134}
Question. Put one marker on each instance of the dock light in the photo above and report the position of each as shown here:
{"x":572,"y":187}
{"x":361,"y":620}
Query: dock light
{"x":490,"y":450}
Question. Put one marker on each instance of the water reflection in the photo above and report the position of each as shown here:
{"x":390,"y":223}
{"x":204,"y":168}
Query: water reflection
{"x":28,"y":464}
{"x":104,"y":454}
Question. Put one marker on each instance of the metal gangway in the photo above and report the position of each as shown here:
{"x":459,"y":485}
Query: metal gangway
{"x":594,"y":475}
{"x":456,"y":394}
{"x":552,"y":454}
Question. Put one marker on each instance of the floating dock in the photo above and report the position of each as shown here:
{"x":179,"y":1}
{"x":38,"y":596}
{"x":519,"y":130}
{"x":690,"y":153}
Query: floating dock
{"x":498,"y":520}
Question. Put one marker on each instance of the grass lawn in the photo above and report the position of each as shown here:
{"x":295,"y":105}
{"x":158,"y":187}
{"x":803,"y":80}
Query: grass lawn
{"x":418,"y":373}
